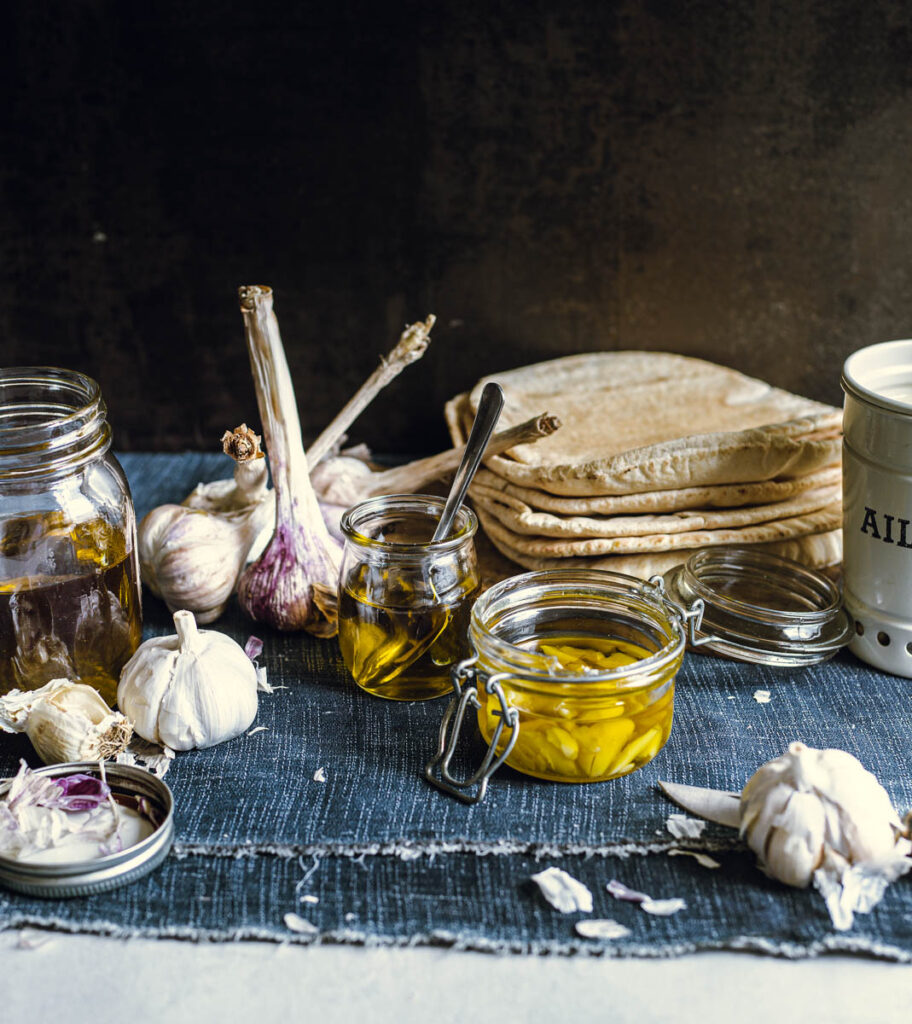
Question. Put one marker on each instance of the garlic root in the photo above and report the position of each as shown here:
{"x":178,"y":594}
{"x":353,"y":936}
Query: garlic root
{"x":247,"y":488}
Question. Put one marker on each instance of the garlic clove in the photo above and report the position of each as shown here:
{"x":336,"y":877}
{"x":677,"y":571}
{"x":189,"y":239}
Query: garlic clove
{"x":66,"y":721}
{"x":793,"y":849}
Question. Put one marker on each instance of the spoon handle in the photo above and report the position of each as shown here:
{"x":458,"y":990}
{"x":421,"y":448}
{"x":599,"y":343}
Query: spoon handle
{"x":489,"y":407}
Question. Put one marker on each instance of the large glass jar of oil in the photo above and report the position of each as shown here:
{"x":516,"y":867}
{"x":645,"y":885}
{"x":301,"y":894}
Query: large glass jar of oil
{"x":404,"y":601}
{"x":69,"y":573}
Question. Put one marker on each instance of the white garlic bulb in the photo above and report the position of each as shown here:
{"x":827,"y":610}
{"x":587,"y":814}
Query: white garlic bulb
{"x":66,"y":721}
{"x":194,"y":689}
{"x":192,"y":558}
{"x":191,"y":554}
{"x":819,"y":815}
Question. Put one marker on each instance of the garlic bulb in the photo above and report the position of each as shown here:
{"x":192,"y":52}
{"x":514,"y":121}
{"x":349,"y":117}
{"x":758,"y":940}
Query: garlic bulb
{"x":819,"y":815}
{"x":194,"y":689}
{"x":347,"y":478}
{"x":191,"y":554}
{"x":66,"y":721}
{"x":192,"y":559}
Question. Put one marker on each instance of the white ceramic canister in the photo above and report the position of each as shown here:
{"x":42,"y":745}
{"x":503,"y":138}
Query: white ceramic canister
{"x":877,"y":503}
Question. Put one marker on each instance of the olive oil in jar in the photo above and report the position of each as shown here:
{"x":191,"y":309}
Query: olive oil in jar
{"x":77,"y":613}
{"x":405,"y":600}
{"x":404,"y":650}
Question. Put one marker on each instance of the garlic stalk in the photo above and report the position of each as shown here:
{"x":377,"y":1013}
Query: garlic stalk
{"x":284,"y":587}
{"x":247,"y":488}
{"x":411,"y":346}
{"x":819,"y":816}
{"x":344,"y":480}
{"x":66,"y":721}
{"x":194,"y":688}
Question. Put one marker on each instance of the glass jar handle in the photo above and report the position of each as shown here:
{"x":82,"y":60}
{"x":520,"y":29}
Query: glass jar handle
{"x":451,"y":726}
{"x":691,"y":617}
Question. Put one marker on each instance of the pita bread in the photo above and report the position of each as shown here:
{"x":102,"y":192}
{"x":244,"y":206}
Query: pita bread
{"x":818,"y":551}
{"x":680,"y":500}
{"x":821,"y":521}
{"x":652,"y":421}
{"x":522,"y":519}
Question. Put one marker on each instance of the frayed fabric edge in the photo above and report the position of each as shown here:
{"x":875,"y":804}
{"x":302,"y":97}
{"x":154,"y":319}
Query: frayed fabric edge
{"x":468,"y":942}
{"x":409,"y":850}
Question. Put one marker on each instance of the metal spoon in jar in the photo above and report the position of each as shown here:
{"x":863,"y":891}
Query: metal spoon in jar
{"x":489,"y":407}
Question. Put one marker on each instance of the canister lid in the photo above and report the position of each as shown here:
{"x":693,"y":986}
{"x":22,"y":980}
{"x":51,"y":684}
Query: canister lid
{"x":881,"y":375}
{"x":760,"y":607}
{"x":82,"y":878}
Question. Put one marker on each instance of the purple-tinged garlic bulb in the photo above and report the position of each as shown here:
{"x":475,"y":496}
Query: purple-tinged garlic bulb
{"x":285,"y":586}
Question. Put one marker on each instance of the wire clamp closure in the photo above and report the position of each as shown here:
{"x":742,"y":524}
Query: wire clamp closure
{"x":691,"y":618}
{"x":437,"y":770}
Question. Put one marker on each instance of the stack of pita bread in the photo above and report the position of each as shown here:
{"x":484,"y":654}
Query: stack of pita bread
{"x":658,"y":456}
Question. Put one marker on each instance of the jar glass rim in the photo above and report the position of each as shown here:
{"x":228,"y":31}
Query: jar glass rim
{"x":51,"y":420}
{"x":698,"y":570}
{"x":579,"y":582}
{"x":355,"y":520}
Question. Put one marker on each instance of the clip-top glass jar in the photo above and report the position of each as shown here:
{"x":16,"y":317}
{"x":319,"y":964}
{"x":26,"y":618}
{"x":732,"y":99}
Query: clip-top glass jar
{"x":404,"y":600}
{"x":572,"y":678}
{"x":69,"y":573}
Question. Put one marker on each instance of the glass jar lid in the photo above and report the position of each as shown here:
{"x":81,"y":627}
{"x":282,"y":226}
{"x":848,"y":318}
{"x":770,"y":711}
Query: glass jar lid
{"x":760,"y":607}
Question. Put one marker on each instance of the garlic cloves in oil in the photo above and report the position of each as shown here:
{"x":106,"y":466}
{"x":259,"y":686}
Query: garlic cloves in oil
{"x":66,"y":721}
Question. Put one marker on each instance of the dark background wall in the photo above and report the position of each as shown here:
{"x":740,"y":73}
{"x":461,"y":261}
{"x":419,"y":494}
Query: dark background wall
{"x":727,"y":180}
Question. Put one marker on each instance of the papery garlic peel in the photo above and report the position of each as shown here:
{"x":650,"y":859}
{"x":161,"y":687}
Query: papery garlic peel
{"x":193,"y":689}
{"x":800,"y":808}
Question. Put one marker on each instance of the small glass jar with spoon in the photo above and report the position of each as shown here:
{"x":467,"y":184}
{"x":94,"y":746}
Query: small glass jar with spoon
{"x":409,"y":578}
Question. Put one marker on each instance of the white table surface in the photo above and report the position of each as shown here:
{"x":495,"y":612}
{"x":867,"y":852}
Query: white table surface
{"x":76,"y":979}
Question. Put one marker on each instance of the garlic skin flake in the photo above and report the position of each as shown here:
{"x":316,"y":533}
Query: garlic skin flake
{"x":66,"y":721}
{"x":563,"y":891}
{"x":601,"y":928}
{"x":819,"y":815}
{"x":195,"y":689}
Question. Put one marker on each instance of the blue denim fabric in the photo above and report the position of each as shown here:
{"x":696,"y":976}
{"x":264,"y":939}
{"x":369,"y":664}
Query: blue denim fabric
{"x":396,"y":861}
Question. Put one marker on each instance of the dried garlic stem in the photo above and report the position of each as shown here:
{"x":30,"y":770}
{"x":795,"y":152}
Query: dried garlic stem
{"x":278,"y":587}
{"x":411,"y":346}
{"x":414,"y":475}
{"x":248,"y":486}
